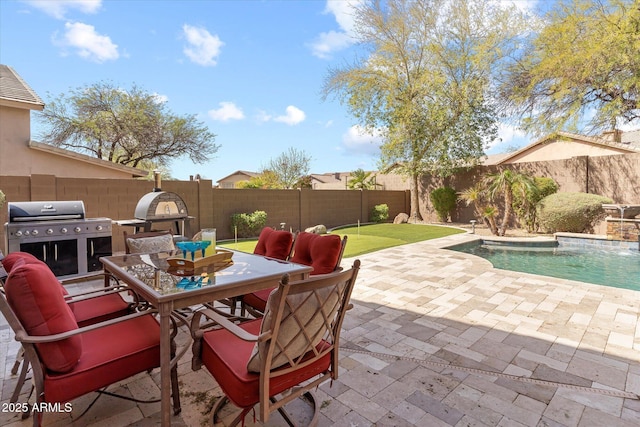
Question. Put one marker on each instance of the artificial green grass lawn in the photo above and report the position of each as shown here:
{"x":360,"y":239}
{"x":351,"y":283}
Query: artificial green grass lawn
{"x":370,"y":238}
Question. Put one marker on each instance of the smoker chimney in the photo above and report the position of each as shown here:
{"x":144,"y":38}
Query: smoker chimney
{"x":158,"y":181}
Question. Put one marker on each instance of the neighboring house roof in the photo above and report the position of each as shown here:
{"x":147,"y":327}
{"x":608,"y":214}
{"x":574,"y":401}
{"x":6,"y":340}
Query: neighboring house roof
{"x":331,"y":177}
{"x":560,"y":136}
{"x":631,"y":138}
{"x":237,"y":176}
{"x":494,"y":159}
{"x":50,"y":149}
{"x":15,"y":92}
{"x":239,"y":172}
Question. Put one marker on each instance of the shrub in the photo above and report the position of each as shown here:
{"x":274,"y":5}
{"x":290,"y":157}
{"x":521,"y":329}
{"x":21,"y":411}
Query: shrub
{"x":379,"y":213}
{"x":444,"y":200}
{"x":571,"y":212}
{"x":525,"y":202}
{"x":248,"y":225}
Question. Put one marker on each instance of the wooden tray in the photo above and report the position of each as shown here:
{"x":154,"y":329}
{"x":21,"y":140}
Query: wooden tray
{"x":220,"y":257}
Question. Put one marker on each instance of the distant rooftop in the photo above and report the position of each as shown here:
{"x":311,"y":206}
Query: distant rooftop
{"x":14,"y":91}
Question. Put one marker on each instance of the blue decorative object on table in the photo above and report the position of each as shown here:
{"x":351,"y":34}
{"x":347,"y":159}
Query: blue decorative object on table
{"x":193,"y":247}
{"x":190,"y":283}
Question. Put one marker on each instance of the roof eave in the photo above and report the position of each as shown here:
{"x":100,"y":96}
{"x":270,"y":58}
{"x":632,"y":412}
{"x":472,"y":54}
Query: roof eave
{"x":25,"y":105}
{"x":135,"y":172}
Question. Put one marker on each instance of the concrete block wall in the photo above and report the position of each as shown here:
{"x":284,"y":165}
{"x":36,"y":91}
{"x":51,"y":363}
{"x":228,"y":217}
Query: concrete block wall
{"x":209,"y":207}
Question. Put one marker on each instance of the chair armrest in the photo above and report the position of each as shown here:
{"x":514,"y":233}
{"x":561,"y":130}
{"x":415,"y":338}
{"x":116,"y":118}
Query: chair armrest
{"x":91,"y":276}
{"x":220,"y":320}
{"x":23,"y":337}
{"x":96,"y":293}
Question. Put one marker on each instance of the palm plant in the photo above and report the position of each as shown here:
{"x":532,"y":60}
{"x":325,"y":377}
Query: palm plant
{"x":503,"y":184}
{"x":477,"y":196}
{"x":361,"y":180}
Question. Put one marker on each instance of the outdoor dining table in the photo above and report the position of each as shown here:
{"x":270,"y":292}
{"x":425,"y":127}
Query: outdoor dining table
{"x":167,"y":289}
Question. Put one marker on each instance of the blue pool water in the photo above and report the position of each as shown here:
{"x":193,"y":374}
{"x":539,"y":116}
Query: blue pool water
{"x":610,"y":267}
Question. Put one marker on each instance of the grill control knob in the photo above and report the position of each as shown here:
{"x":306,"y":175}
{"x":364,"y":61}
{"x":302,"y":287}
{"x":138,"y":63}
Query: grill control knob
{"x":64,"y":230}
{"x":26,"y":233}
{"x":77,"y":229}
{"x":49,"y":231}
{"x":99,"y":228}
{"x":18,"y":233}
{"x":35,"y":233}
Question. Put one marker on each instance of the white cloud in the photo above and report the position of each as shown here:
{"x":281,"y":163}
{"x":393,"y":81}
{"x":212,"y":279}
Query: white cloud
{"x":508,"y":136}
{"x":160,"y":99}
{"x":292,"y":117}
{"x":263,"y":116}
{"x":357,"y":140}
{"x":329,"y":42}
{"x":59,"y":8}
{"x":526,"y":6}
{"x":227,"y":111}
{"x":88,"y":43}
{"x":203,"y":47}
{"x":343,"y":11}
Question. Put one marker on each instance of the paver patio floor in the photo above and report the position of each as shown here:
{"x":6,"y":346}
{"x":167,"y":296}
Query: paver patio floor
{"x":438,"y":338}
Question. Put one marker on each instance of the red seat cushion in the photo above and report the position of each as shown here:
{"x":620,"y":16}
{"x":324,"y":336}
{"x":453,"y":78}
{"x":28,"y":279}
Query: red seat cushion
{"x":33,"y":292}
{"x":274,"y":243}
{"x":226,"y":356}
{"x":319,"y":251}
{"x":99,"y":309}
{"x":110,"y":354}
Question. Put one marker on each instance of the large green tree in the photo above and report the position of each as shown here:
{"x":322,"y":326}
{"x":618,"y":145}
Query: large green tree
{"x":130,"y":127}
{"x":424,"y":80}
{"x":580,"y":71}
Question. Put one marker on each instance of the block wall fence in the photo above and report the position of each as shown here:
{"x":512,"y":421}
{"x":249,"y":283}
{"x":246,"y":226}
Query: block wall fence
{"x":210,"y":207}
{"x":617,"y":177}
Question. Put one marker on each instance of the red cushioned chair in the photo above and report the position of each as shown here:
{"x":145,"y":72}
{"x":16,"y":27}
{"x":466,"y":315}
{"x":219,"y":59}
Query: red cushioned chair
{"x":69,"y":361}
{"x":322,"y":252}
{"x":275,"y":359}
{"x":272,"y":243}
{"x":88,"y":307}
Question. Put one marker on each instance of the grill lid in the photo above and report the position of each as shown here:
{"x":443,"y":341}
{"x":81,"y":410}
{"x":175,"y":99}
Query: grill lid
{"x":46,"y":211}
{"x":160,"y":205}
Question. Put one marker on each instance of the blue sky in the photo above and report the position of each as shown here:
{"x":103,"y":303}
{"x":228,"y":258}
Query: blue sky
{"x":251,"y":71}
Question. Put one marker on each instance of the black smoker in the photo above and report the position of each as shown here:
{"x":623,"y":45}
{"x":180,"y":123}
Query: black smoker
{"x":59,"y":234}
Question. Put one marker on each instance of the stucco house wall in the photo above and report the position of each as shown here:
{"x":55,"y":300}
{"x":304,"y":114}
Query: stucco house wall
{"x":566,"y":145}
{"x":564,"y":149}
{"x":20,"y":156}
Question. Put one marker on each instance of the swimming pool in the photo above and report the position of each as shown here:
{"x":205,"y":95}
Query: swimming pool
{"x":610,"y":267}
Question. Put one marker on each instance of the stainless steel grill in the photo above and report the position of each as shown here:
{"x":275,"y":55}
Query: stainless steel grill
{"x":58,"y":233}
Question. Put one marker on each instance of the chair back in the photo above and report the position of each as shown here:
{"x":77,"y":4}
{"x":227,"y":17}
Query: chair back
{"x":301,"y":327}
{"x":276,"y":244}
{"x":148,"y":242}
{"x":322,"y":252}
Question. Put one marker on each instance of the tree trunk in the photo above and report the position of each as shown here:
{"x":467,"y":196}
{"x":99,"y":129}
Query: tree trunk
{"x":508,"y":209}
{"x":415,"y":198}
